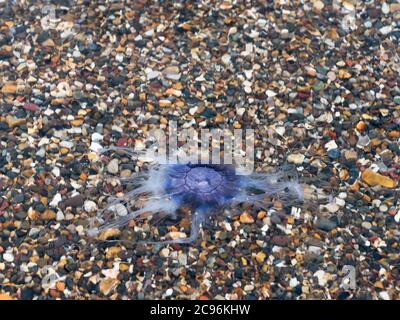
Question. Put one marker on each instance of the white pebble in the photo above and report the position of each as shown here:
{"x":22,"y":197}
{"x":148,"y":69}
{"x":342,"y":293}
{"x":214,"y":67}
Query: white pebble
{"x":385,"y":30}
{"x":320,"y":274}
{"x":8,"y":257}
{"x":112,"y":166}
{"x":169,"y":292}
{"x":397,"y":217}
{"x":90,"y":206}
{"x":270,"y":93}
{"x":164,"y":253}
{"x":119,"y":209}
{"x":384,"y":295}
{"x":96,"y":137}
{"x":193,"y":110}
{"x":383,"y":208}
{"x":119,"y":57}
{"x":331,"y":145}
{"x":56,"y":200}
{"x":60,"y":216}
{"x":385,"y":8}
{"x":342,"y":195}
{"x":56,"y":171}
{"x":66,"y":144}
{"x":151,"y":74}
{"x":296,"y":158}
{"x":340,"y":202}
{"x":240,"y":111}
{"x":41,"y":152}
{"x":293,"y":282}
{"x":96,"y":147}
{"x":226,"y":59}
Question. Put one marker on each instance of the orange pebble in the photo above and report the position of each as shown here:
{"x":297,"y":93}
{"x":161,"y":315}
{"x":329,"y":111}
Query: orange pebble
{"x":361,"y":126}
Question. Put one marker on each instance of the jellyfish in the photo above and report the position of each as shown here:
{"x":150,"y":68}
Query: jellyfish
{"x":206,"y":189}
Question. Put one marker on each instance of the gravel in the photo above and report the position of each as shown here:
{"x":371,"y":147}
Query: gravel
{"x":317,"y":80}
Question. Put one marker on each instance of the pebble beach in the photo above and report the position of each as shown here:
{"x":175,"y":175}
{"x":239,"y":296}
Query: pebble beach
{"x":318,"y":81}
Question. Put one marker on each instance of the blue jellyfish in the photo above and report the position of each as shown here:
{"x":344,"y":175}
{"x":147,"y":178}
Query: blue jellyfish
{"x":205,"y":189}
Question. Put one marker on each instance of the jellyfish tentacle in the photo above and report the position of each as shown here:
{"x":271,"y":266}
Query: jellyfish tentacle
{"x":198,"y":219}
{"x":281,"y":184}
{"x":154,"y":207}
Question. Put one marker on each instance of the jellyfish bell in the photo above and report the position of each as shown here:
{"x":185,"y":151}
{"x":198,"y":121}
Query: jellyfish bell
{"x":201,"y":186}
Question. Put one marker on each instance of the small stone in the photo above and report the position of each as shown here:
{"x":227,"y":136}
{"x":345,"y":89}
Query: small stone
{"x":397,"y":217}
{"x":113,"y":252}
{"x":270,"y":93}
{"x":332,"y":207}
{"x":31,"y":107}
{"x":366,"y":225}
{"x":334,"y":154}
{"x":48,"y":215}
{"x":260,"y":257}
{"x":293,"y":282}
{"x":375,"y":179}
{"x":119,"y":57}
{"x":176,"y":235}
{"x":74,"y":202}
{"x":351,"y":155}
{"x":60,"y":216}
{"x":9,"y":88}
{"x":320,"y":274}
{"x":343,"y":174}
{"x":385,"y":30}
{"x":48,"y":43}
{"x":363,"y":141}
{"x":107,"y":285}
{"x":66,"y":144}
{"x":169,"y":292}
{"x":164,"y":253}
{"x":331,"y":76}
{"x":383,"y":208}
{"x":226,"y":59}
{"x":151,"y":74}
{"x":112,"y":166}
{"x":348,"y":5}
{"x":14,"y":122}
{"x":8,"y":257}
{"x":109,"y":233}
{"x":171,"y":73}
{"x":385,"y":8}
{"x":164,"y":103}
{"x":90,"y":206}
{"x":182,"y":259}
{"x":280,"y":241}
{"x":340,"y":202}
{"x":6,"y":296}
{"x":60,"y":286}
{"x":318,"y":5}
{"x":97,"y":137}
{"x":245,"y":217}
{"x":325,"y":224}
{"x":123,"y":267}
{"x":296,"y":158}
{"x":248,"y":287}
{"x":394,"y":7}
{"x":344,"y":74}
{"x":56,"y":200}
{"x":126,"y":173}
{"x":311,"y":71}
{"x":361,"y":126}
{"x":119,"y":209}
{"x":384,"y":295}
